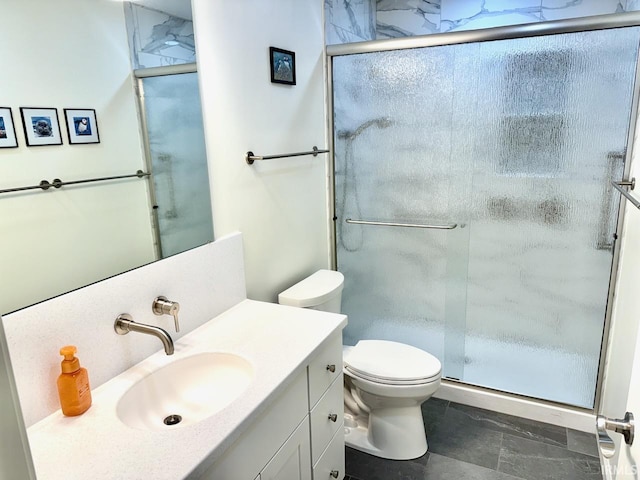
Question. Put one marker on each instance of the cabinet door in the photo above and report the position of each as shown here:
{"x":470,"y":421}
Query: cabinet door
{"x":264,"y":437}
{"x":293,"y":460}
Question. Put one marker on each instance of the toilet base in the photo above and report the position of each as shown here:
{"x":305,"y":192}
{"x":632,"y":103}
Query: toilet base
{"x":403,"y":439}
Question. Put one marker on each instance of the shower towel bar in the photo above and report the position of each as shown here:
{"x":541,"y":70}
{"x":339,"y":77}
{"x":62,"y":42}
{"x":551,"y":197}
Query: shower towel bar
{"x":57,"y":183}
{"x":449,"y":226}
{"x":631,"y":184}
{"x":250,"y":157}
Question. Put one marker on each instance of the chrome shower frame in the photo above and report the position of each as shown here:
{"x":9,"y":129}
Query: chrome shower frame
{"x":599,"y":22}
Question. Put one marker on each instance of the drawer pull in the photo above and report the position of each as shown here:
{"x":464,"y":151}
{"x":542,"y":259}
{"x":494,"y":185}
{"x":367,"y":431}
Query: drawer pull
{"x":333,"y":417}
{"x":334,"y":473}
{"x":331,"y":368}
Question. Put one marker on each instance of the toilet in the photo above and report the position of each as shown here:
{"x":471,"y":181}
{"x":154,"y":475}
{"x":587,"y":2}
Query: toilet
{"x":384,"y":382}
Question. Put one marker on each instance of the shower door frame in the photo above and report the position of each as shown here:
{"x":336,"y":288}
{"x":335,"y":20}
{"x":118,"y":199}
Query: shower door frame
{"x":583,"y":24}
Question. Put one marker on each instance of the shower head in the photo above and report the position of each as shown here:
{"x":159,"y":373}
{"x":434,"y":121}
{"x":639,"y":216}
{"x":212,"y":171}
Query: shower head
{"x":382,"y":122}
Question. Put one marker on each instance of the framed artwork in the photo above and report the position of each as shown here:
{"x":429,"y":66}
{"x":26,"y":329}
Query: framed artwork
{"x":41,"y":126}
{"x":283,"y":66}
{"x":8,"y":137}
{"x":82,"y":126}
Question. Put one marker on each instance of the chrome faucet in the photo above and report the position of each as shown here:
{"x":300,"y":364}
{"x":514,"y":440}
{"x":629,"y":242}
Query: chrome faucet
{"x":163,"y":306}
{"x":125,"y":324}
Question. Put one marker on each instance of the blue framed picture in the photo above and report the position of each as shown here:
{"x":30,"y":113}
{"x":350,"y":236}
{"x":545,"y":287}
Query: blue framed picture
{"x":41,"y":126}
{"x":82,"y":125}
{"x":8,"y":137}
{"x":283,"y":66}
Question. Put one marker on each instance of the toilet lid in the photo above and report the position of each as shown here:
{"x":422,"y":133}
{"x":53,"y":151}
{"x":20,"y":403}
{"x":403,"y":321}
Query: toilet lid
{"x":386,"y":361}
{"x":313,"y":290}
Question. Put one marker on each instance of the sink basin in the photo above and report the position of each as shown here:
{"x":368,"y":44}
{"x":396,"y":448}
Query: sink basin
{"x":185,"y":391}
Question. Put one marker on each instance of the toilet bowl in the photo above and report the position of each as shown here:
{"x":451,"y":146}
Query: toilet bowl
{"x":385,"y":382}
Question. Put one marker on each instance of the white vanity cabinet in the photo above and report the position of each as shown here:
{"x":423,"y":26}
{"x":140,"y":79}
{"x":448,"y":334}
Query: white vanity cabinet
{"x":301,"y":435}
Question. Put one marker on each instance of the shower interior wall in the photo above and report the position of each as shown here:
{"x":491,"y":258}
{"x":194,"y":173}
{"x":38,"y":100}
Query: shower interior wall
{"x":362,"y":20}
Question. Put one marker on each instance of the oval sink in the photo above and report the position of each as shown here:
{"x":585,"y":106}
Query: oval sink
{"x":185,"y":391}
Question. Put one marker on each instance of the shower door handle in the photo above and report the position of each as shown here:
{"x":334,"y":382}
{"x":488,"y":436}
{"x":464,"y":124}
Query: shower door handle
{"x":625,"y":426}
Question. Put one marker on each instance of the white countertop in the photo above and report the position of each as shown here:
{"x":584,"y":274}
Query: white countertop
{"x":277,"y":340}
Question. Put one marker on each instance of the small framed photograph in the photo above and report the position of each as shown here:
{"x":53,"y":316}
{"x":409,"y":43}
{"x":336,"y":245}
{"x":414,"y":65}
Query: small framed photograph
{"x":82,"y":125}
{"x":283,"y":66}
{"x":8,"y":137}
{"x":41,"y":126}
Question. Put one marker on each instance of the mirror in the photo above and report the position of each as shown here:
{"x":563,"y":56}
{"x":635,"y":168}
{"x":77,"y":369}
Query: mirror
{"x":74,"y":54}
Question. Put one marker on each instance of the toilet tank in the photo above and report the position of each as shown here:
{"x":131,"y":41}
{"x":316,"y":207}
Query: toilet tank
{"x":320,"y":291}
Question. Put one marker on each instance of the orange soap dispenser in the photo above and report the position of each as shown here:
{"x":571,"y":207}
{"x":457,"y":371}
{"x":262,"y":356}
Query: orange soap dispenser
{"x":73,"y":384}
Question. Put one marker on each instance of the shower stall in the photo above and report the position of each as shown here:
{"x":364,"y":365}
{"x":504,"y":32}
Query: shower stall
{"x":474,"y":211}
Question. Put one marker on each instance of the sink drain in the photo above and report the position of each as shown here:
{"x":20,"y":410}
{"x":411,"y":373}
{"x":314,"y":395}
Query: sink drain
{"x":172,"y":419}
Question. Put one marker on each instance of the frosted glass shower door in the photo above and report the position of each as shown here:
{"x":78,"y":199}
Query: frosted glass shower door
{"x":393,"y":134}
{"x":179,"y":162}
{"x":516,"y":142}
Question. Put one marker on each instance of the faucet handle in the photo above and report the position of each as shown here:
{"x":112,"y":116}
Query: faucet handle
{"x":163,"y":306}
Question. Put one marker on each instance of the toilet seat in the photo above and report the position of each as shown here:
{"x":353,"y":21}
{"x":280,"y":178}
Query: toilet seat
{"x":391,"y":363}
{"x":383,"y":381}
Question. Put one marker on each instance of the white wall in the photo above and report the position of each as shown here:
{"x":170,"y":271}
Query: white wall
{"x":70,"y":54}
{"x":279,"y":205}
{"x":623,"y":344}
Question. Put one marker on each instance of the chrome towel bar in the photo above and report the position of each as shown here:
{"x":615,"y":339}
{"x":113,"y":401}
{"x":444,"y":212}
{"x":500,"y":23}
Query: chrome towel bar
{"x":449,"y":226}
{"x":631,"y":184}
{"x":57,"y":183}
{"x":250,"y":157}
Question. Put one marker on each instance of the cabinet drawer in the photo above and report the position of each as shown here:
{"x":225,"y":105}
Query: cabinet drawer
{"x":326,"y":418}
{"x":331,"y":463}
{"x":324,"y":368}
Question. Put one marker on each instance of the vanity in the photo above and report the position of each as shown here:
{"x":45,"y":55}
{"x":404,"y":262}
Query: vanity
{"x":253,"y":389}
{"x":304,"y":426}
{"x":285,"y":424}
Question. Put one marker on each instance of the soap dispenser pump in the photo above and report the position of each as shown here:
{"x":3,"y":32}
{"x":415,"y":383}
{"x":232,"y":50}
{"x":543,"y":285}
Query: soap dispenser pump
{"x":73,"y":384}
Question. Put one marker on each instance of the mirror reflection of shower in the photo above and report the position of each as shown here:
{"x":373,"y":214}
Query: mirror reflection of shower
{"x":354,"y":243}
{"x":181,"y":200}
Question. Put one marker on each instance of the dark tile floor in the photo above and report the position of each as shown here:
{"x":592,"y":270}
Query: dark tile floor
{"x":474,"y":444}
